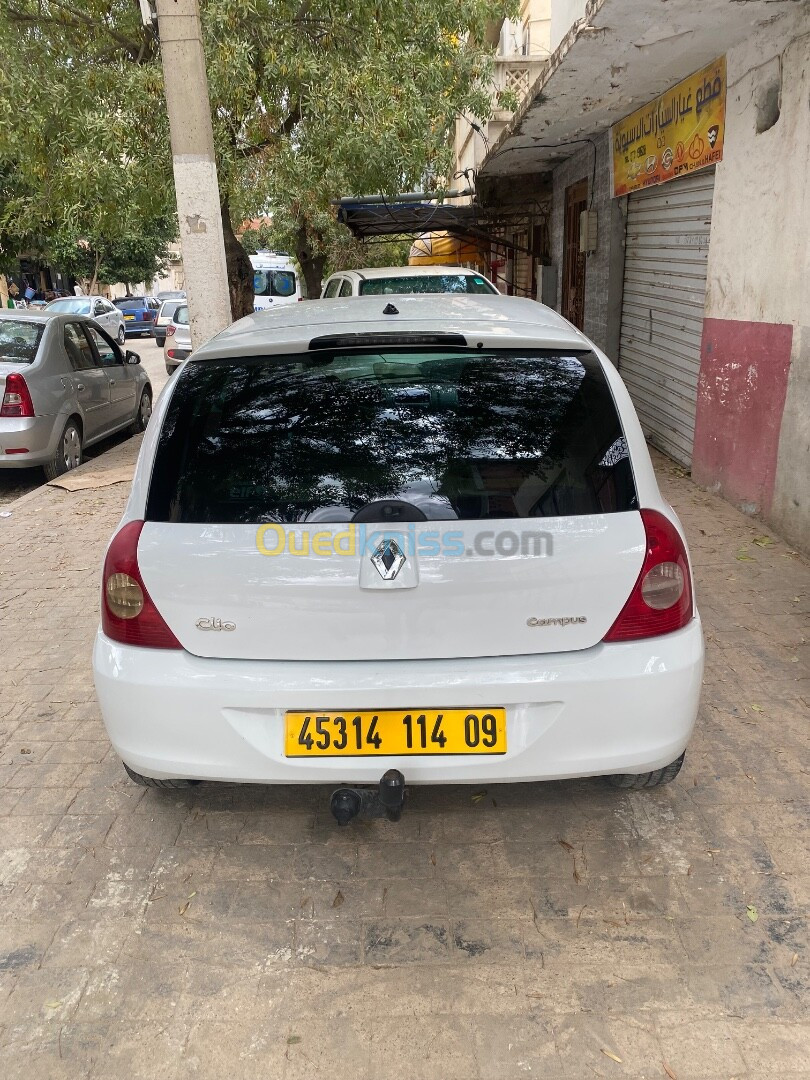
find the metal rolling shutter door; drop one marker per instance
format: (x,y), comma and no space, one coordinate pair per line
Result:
(667,247)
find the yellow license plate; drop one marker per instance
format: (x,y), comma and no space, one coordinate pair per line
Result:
(128,317)
(394,732)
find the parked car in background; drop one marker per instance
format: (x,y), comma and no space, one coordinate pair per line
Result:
(177,343)
(95,307)
(65,383)
(164,317)
(394,280)
(171,294)
(426,543)
(139,313)
(275,281)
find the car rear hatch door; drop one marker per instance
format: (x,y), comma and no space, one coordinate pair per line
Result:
(429,504)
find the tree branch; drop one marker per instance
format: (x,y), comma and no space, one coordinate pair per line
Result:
(293,117)
(79,20)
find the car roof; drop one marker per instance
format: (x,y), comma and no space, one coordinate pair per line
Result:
(370,273)
(493,320)
(27,315)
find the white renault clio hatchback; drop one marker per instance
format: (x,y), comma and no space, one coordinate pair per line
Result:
(421,539)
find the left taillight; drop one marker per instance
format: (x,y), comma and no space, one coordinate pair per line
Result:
(128,613)
(661,600)
(16,398)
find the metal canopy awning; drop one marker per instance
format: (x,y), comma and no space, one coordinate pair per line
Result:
(412,214)
(368,219)
(620,56)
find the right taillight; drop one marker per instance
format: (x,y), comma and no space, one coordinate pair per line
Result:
(170,329)
(661,600)
(17,397)
(128,613)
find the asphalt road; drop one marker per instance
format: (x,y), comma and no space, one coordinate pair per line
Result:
(17,482)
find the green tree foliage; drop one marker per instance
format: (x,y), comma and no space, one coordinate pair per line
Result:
(309,101)
(343,251)
(140,256)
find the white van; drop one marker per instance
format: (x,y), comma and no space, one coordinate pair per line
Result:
(274,280)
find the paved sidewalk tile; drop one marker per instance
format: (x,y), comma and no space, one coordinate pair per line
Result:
(543,930)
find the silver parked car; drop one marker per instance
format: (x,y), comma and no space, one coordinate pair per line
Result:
(107,315)
(64,384)
(177,343)
(164,317)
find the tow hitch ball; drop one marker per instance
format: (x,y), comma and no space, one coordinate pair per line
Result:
(386,801)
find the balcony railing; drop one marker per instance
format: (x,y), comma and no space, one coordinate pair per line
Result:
(517,73)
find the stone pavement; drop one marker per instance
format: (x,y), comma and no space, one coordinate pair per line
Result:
(552,930)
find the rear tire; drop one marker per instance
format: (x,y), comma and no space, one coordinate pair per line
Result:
(150,781)
(122,336)
(635,782)
(68,454)
(141,421)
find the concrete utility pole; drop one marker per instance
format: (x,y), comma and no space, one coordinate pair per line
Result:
(195,170)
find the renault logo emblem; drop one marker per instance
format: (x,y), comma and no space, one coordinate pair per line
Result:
(388,559)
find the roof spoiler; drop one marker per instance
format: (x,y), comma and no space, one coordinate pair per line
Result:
(369,341)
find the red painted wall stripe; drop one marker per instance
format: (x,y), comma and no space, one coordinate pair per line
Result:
(744,370)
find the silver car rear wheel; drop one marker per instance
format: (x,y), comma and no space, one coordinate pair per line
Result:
(68,454)
(141,421)
(122,337)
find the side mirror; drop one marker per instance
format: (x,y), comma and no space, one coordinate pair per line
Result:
(131,357)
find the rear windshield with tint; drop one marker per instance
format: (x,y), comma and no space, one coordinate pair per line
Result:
(19,341)
(461,435)
(273,283)
(131,305)
(168,308)
(427,283)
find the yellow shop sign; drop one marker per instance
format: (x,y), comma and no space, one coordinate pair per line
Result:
(677,133)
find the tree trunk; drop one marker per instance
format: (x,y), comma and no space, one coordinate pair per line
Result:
(311,264)
(240,269)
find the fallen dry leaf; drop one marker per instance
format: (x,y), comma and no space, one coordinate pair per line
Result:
(743,557)
(52,1004)
(183,908)
(755,708)
(763,541)
(433,858)
(478,796)
(304,902)
(612,1057)
(793,959)
(566,845)
(752,912)
(669,1071)
(293,1039)
(339,898)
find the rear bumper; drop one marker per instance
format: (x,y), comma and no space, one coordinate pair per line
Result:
(174,362)
(138,326)
(36,434)
(619,708)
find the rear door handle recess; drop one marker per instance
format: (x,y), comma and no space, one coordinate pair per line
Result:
(80,386)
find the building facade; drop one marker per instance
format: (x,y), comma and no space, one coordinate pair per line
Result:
(676,145)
